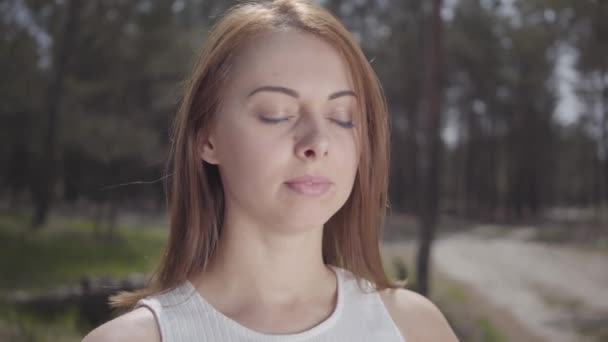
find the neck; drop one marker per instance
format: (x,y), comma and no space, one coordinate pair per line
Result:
(260,264)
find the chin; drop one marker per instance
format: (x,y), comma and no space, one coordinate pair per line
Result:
(304,219)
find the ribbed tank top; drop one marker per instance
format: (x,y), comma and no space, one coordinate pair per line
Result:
(183,315)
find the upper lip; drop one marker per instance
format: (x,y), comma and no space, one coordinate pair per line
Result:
(310,179)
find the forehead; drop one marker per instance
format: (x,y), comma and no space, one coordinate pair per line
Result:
(291,58)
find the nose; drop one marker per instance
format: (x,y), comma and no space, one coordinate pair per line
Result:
(313,144)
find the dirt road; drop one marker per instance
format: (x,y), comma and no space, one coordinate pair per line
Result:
(559,293)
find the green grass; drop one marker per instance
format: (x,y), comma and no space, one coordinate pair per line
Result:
(489,333)
(455,293)
(62,252)
(22,325)
(68,249)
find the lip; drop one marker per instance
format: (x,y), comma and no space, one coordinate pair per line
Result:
(310,185)
(307,179)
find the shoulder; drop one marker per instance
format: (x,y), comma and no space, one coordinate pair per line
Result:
(136,325)
(418,319)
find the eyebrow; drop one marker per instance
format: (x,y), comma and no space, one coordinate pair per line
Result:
(293,93)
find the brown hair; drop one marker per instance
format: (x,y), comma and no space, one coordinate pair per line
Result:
(195,196)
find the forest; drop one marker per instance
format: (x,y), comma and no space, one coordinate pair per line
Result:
(499,129)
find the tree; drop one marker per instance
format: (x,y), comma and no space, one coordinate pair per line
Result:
(592,64)
(45,180)
(429,143)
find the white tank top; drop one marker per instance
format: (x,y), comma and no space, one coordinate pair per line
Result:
(183,315)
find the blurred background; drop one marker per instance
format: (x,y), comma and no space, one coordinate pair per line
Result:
(499,173)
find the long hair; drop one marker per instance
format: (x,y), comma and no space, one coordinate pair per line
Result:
(195,197)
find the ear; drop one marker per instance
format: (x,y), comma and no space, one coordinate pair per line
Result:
(207,150)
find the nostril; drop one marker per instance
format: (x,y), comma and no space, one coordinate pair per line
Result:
(309,153)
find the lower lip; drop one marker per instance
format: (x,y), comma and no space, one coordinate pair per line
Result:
(310,189)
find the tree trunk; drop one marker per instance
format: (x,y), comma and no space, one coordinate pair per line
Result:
(604,138)
(429,145)
(44,184)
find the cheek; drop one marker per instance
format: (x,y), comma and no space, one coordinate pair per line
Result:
(348,158)
(246,156)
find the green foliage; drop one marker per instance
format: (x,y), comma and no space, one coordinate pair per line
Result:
(123,79)
(69,249)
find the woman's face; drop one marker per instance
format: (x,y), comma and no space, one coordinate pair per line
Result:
(288,112)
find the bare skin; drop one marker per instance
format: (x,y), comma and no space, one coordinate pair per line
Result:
(287,113)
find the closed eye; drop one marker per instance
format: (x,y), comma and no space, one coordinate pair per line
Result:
(345,124)
(267,120)
(273,120)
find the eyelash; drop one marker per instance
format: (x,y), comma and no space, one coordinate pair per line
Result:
(344,124)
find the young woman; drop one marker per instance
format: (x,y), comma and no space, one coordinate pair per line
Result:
(277,194)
